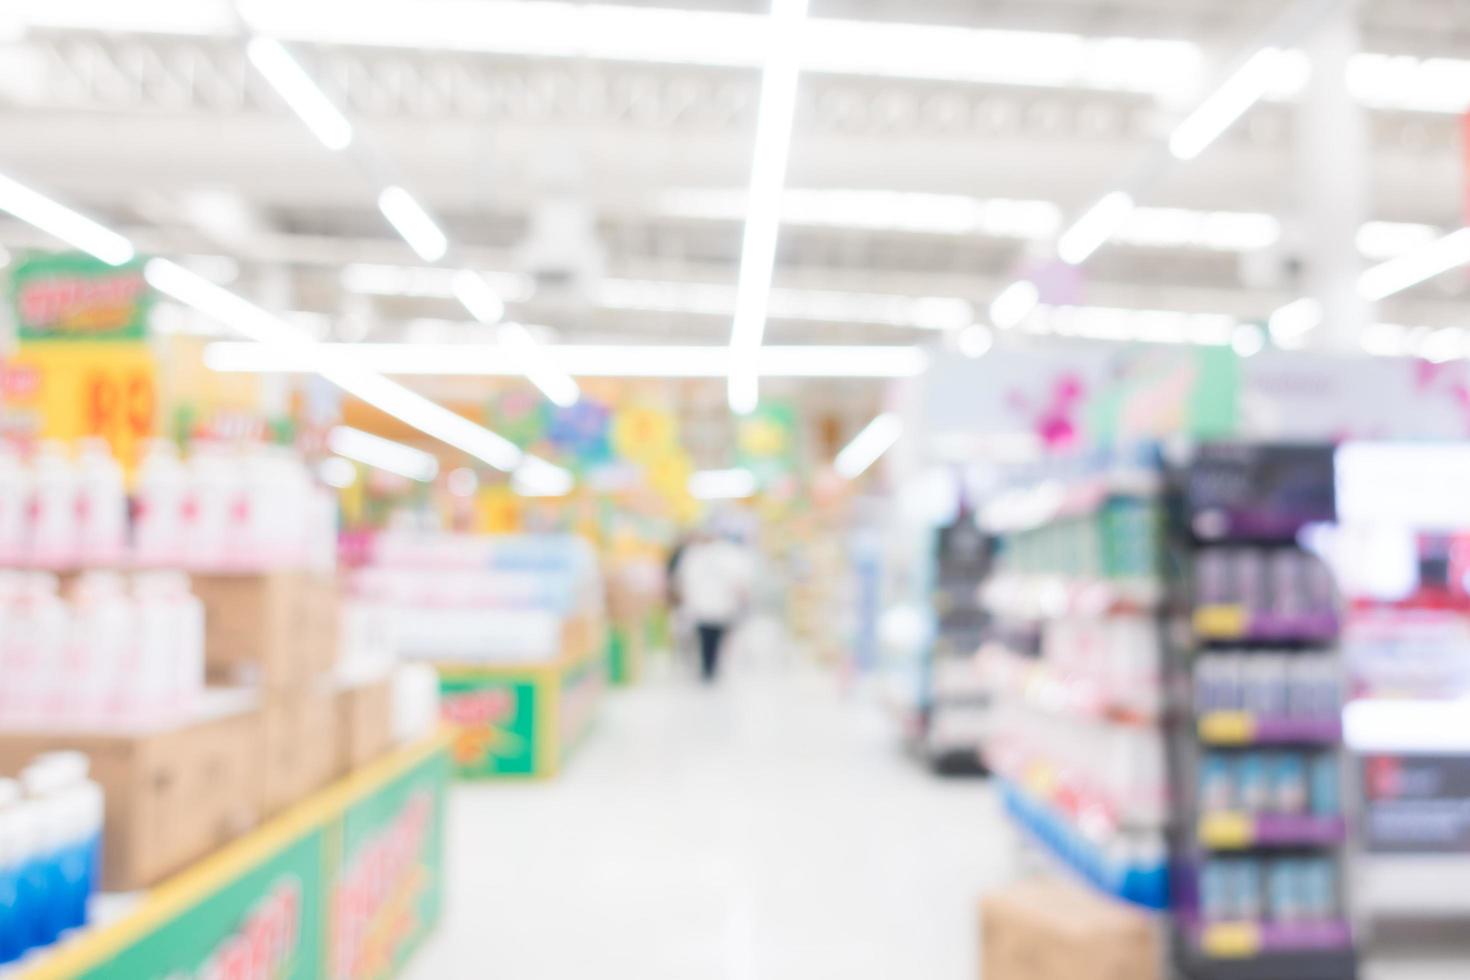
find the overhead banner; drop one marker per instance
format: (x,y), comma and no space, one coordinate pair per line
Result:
(74,297)
(84,366)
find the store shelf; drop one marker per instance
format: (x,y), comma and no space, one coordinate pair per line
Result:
(1245,831)
(1146,885)
(1236,623)
(1251,940)
(1226,729)
(1229,623)
(1035,596)
(1037,506)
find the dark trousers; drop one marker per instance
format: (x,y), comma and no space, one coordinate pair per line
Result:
(711,638)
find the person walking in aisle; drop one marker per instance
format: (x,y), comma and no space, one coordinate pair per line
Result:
(714,579)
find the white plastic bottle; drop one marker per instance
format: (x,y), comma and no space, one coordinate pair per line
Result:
(77,806)
(53,509)
(102,506)
(158,531)
(16,844)
(171,642)
(15,481)
(209,504)
(31,651)
(100,664)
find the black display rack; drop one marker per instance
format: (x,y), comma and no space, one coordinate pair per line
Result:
(1258,850)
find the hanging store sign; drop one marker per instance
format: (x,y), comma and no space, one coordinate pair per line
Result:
(74,297)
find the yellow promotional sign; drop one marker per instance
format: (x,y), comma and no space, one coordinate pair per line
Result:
(497,511)
(643,434)
(75,389)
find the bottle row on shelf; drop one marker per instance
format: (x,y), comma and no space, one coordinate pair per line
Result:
(1120,539)
(1288,783)
(1129,865)
(1100,773)
(113,651)
(1264,593)
(50,850)
(1279,890)
(224,509)
(1269,684)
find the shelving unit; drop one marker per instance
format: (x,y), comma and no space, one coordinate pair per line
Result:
(1073,661)
(956,713)
(1258,849)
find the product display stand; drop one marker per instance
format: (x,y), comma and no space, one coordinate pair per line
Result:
(348,882)
(1073,660)
(1256,761)
(522,720)
(955,713)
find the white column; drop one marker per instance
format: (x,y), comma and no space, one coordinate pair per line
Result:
(276,293)
(1333,183)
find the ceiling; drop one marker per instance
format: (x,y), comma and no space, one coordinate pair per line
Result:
(606,191)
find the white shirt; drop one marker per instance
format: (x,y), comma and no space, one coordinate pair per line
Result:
(714,581)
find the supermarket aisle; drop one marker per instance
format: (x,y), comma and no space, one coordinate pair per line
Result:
(768,830)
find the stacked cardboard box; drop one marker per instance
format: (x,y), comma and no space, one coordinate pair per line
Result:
(173,794)
(279,633)
(1049,929)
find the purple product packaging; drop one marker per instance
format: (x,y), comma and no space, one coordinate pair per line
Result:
(1252,587)
(1288,588)
(1212,575)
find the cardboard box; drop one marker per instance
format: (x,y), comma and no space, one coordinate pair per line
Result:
(301,747)
(365,721)
(172,796)
(1050,929)
(277,630)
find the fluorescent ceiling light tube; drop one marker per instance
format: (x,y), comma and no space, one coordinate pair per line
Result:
(301,93)
(1412,268)
(534,363)
(1229,102)
(64,223)
(868,445)
(337,472)
(1292,322)
(385,454)
(538,478)
(478,297)
(763,205)
(1014,304)
(411,221)
(1094,227)
(337,363)
(579,360)
(722,484)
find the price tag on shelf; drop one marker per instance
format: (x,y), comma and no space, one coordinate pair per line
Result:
(1226,831)
(1231,940)
(1221,622)
(1227,728)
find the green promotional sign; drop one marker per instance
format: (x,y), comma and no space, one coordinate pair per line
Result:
(386,894)
(766,441)
(347,886)
(272,915)
(494,719)
(70,296)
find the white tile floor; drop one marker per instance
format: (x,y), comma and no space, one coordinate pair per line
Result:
(769,829)
(765,830)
